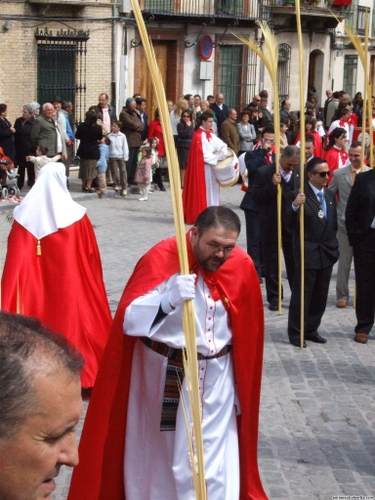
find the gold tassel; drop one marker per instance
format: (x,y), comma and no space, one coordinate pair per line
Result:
(38,249)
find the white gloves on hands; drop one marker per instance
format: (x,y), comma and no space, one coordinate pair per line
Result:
(183,289)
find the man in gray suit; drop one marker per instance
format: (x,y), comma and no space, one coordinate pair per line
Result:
(341,185)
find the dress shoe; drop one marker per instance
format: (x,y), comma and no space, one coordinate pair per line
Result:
(361,338)
(341,304)
(316,338)
(297,342)
(273,307)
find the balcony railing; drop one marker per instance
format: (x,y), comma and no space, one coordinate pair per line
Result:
(311,4)
(238,9)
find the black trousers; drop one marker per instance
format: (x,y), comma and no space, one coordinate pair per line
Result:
(270,263)
(316,293)
(253,245)
(364,265)
(22,167)
(131,164)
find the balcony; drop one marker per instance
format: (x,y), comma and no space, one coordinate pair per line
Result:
(316,15)
(220,12)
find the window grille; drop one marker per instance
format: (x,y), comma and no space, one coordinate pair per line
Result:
(350,74)
(283,71)
(62,67)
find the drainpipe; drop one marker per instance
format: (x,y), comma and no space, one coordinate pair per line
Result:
(113,56)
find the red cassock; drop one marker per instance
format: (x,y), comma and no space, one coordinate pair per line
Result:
(194,197)
(100,474)
(63,287)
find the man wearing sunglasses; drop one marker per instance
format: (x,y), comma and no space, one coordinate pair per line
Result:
(321,251)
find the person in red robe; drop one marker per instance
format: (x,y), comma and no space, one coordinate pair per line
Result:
(334,153)
(53,270)
(100,473)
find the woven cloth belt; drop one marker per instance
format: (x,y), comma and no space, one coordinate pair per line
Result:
(174,378)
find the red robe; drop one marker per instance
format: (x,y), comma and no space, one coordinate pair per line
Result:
(63,287)
(194,194)
(331,156)
(318,149)
(99,475)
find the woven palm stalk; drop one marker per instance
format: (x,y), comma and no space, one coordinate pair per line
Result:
(270,61)
(362,50)
(302,169)
(195,438)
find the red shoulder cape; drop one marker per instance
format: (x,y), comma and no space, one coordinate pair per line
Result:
(99,475)
(194,197)
(63,287)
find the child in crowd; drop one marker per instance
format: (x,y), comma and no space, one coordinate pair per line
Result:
(6,168)
(118,155)
(102,165)
(155,162)
(41,158)
(143,173)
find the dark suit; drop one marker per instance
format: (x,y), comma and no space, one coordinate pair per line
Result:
(321,253)
(221,114)
(360,213)
(265,194)
(253,161)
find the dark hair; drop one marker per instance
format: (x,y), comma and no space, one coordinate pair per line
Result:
(148,151)
(335,134)
(246,112)
(151,140)
(356,144)
(263,93)
(197,95)
(94,109)
(284,121)
(290,152)
(310,138)
(28,350)
(218,216)
(336,95)
(65,104)
(90,118)
(43,149)
(312,164)
(3,107)
(205,116)
(343,111)
(268,129)
(187,96)
(139,100)
(118,123)
(188,112)
(311,120)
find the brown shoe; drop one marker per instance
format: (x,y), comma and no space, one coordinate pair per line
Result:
(361,338)
(341,304)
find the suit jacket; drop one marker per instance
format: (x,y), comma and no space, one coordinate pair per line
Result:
(253,161)
(265,193)
(321,244)
(360,210)
(341,185)
(44,133)
(221,114)
(230,135)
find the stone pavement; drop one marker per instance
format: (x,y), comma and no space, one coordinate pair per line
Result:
(317,420)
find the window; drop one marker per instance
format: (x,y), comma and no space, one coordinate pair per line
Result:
(229,7)
(350,74)
(62,67)
(283,71)
(237,75)
(358,19)
(373,22)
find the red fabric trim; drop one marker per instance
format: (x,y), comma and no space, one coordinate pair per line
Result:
(63,287)
(194,194)
(99,475)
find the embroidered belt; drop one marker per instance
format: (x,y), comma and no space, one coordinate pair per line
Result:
(174,378)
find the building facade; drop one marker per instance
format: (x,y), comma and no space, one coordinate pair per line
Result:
(78,49)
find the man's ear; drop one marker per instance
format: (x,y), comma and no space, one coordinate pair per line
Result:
(194,233)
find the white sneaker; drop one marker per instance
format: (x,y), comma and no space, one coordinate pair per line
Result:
(142,199)
(116,188)
(124,192)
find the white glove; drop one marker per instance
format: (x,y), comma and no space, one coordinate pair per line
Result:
(222,156)
(183,289)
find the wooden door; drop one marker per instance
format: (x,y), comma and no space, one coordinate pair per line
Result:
(146,88)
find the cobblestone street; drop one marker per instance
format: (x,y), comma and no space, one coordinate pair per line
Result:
(317,420)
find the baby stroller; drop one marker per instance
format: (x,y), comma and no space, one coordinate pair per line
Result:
(11,188)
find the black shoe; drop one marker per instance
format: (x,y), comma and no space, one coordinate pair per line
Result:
(273,307)
(297,342)
(162,188)
(316,338)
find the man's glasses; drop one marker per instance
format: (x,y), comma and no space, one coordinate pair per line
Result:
(322,174)
(268,140)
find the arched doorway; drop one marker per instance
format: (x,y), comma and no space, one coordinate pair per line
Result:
(316,72)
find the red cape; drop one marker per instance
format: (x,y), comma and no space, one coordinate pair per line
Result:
(194,197)
(63,287)
(318,149)
(331,156)
(99,475)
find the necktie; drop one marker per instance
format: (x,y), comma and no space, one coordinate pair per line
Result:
(322,202)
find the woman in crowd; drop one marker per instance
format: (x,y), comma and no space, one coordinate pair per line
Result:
(246,131)
(175,116)
(310,128)
(6,133)
(334,153)
(22,139)
(185,131)
(89,133)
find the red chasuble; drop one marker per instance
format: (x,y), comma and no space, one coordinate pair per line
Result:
(194,197)
(63,287)
(100,475)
